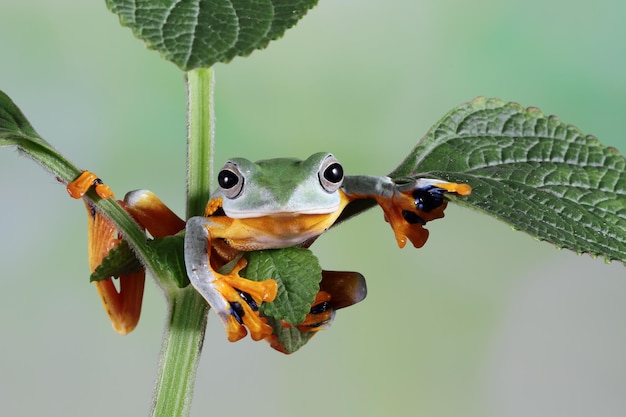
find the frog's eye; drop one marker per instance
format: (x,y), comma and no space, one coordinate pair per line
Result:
(230,180)
(331,174)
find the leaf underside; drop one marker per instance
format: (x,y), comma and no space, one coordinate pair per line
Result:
(199,33)
(531,171)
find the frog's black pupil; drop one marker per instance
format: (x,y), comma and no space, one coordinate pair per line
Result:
(227,179)
(334,173)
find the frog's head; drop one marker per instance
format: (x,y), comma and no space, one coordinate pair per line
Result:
(280,187)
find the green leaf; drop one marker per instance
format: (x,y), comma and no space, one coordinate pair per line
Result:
(169,254)
(15,130)
(298,274)
(199,33)
(120,260)
(291,338)
(531,171)
(166,252)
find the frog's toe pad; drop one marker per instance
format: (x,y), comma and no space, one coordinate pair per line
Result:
(234,330)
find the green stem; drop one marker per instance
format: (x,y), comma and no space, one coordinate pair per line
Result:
(180,353)
(184,334)
(200,83)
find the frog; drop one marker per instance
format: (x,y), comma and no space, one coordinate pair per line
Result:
(273,204)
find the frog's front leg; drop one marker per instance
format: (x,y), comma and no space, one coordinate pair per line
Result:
(407,206)
(236,300)
(414,204)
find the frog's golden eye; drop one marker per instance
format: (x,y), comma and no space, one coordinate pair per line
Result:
(230,180)
(331,174)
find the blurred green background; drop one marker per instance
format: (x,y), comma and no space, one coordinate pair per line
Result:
(482,321)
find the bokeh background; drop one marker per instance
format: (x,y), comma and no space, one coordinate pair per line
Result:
(483,321)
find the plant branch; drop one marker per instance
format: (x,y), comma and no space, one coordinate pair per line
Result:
(184,334)
(16,130)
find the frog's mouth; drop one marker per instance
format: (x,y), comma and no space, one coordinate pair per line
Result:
(284,212)
(277,230)
(289,209)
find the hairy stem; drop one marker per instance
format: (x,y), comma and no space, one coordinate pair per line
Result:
(200,121)
(180,354)
(184,334)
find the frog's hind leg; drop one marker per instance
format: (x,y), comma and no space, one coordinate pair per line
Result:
(338,289)
(150,212)
(123,305)
(236,300)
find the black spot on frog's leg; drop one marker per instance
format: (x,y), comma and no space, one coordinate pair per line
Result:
(428,198)
(314,326)
(248,299)
(320,308)
(412,218)
(92,209)
(237,311)
(322,312)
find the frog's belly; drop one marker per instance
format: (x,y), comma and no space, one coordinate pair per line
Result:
(272,232)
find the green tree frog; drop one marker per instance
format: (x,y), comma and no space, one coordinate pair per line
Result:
(269,204)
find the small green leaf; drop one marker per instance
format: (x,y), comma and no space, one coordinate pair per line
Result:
(169,254)
(120,260)
(298,274)
(291,338)
(166,252)
(532,171)
(199,33)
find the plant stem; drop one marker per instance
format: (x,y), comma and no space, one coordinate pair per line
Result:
(200,83)
(180,353)
(184,333)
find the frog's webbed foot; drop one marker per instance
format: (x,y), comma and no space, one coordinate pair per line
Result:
(414,204)
(244,297)
(123,305)
(236,300)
